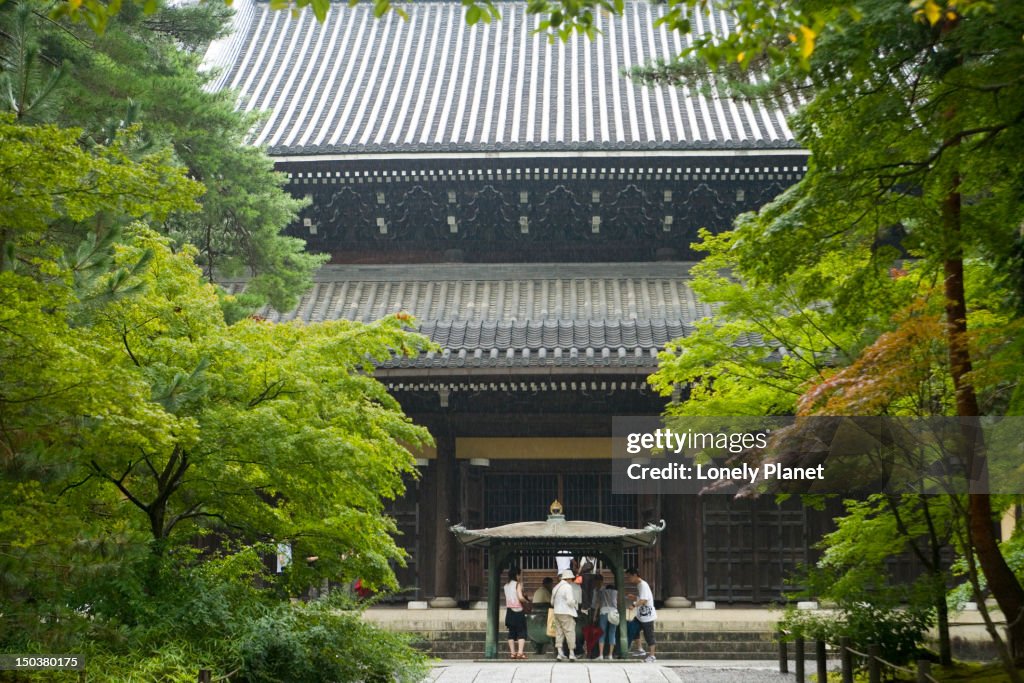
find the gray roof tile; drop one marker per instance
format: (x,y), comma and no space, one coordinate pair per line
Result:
(355,84)
(644,306)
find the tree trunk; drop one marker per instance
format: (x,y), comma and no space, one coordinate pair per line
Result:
(938,572)
(157,513)
(972,575)
(942,620)
(1005,587)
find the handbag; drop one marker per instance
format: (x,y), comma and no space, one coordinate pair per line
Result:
(613,618)
(551,622)
(527,607)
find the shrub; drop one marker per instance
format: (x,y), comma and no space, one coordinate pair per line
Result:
(897,632)
(324,643)
(212,613)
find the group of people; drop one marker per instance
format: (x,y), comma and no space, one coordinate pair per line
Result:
(581,593)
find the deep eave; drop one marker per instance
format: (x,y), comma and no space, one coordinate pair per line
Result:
(536,319)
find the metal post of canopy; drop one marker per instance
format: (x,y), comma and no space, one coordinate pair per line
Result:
(620,582)
(498,555)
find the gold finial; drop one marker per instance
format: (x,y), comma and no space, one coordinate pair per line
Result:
(556,508)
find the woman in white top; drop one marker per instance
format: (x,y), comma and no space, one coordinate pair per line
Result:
(515,618)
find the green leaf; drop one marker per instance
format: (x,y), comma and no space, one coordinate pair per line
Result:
(320,9)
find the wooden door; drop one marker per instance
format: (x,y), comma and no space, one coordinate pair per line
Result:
(751,548)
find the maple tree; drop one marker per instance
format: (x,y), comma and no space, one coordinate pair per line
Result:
(914,122)
(135,420)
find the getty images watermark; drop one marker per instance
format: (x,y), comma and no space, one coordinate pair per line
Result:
(843,455)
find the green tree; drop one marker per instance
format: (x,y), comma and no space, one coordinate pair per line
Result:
(854,564)
(764,345)
(54,380)
(134,420)
(911,122)
(265,431)
(278,431)
(143,71)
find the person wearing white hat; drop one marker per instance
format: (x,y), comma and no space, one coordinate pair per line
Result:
(564,602)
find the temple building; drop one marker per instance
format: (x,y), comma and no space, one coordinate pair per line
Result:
(533,208)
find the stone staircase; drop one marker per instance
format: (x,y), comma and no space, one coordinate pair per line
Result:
(713,644)
(675,645)
(682,633)
(717,644)
(724,633)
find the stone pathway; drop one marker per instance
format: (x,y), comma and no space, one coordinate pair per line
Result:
(545,671)
(552,672)
(718,674)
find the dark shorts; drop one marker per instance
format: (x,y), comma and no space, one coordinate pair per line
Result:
(516,623)
(648,629)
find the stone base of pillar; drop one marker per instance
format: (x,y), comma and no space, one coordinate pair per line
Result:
(678,601)
(442,602)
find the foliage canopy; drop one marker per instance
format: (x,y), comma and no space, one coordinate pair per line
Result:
(136,423)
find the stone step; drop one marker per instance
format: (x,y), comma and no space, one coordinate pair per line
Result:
(665,655)
(672,644)
(663,636)
(716,636)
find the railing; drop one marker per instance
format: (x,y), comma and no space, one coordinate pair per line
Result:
(872,657)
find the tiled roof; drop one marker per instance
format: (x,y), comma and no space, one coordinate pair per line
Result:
(356,84)
(516,316)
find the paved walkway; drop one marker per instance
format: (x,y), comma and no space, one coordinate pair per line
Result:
(731,672)
(546,671)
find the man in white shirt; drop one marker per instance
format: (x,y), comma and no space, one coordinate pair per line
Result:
(643,601)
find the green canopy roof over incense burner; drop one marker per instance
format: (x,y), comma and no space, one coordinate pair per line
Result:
(557,535)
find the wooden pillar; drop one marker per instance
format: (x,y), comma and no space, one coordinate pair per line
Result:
(446,511)
(620,586)
(846,659)
(675,550)
(874,666)
(427,532)
(693,523)
(498,556)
